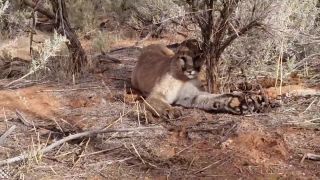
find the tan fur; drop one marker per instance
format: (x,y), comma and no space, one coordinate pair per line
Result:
(158,75)
(158,48)
(156,61)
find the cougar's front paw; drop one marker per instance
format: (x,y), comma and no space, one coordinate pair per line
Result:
(172,113)
(158,108)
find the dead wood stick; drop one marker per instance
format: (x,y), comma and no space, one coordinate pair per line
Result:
(49,148)
(314,157)
(6,134)
(105,55)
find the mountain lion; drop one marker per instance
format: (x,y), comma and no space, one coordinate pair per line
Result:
(167,78)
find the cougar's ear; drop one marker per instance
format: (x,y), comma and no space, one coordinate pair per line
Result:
(193,45)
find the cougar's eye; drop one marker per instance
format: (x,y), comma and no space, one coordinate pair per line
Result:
(184,59)
(183,62)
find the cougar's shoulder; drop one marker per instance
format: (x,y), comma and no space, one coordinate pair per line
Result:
(153,63)
(160,49)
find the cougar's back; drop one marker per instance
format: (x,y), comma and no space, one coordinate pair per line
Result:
(153,63)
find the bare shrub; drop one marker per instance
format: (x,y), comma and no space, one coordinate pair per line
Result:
(234,48)
(220,26)
(286,44)
(12,20)
(50,48)
(149,15)
(82,14)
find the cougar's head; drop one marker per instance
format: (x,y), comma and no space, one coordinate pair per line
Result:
(189,59)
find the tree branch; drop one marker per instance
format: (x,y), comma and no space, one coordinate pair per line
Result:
(242,31)
(221,28)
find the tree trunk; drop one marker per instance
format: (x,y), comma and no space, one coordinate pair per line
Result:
(79,58)
(212,73)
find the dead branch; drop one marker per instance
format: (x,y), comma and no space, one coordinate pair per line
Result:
(6,134)
(49,148)
(314,157)
(40,9)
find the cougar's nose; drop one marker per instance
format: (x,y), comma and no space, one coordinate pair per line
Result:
(192,72)
(189,71)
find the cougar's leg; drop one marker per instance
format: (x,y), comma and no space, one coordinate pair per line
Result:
(234,103)
(160,108)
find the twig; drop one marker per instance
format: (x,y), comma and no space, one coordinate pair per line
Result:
(207,167)
(184,149)
(125,48)
(6,134)
(314,100)
(76,89)
(24,156)
(108,162)
(98,152)
(5,117)
(310,156)
(192,161)
(152,108)
(136,151)
(23,119)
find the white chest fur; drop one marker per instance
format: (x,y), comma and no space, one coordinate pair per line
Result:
(169,87)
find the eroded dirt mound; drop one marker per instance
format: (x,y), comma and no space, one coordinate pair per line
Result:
(260,148)
(30,101)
